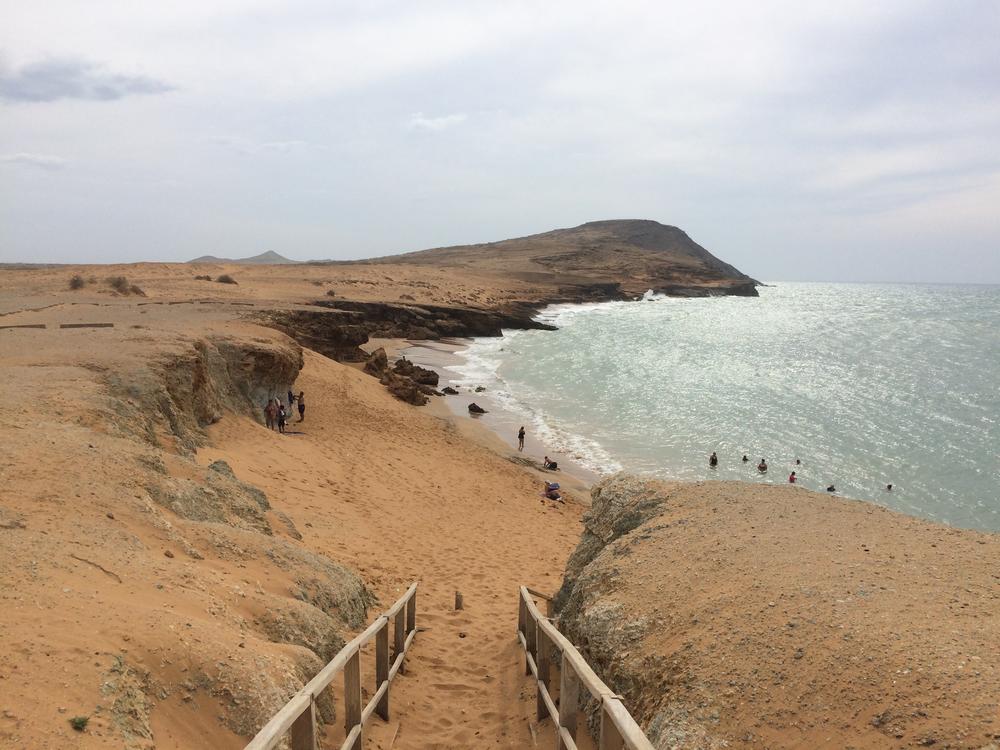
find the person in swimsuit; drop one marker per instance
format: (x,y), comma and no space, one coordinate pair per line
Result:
(520,439)
(745,459)
(713,460)
(302,405)
(270,414)
(281,417)
(762,466)
(791,478)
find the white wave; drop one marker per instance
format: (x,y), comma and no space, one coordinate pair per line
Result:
(480,366)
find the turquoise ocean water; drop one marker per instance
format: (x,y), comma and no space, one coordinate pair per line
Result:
(865,384)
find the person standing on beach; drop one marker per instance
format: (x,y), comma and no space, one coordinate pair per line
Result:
(791,478)
(302,405)
(291,400)
(270,414)
(713,460)
(282,416)
(520,439)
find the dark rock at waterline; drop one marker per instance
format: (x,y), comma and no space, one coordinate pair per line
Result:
(480,388)
(449,391)
(475,408)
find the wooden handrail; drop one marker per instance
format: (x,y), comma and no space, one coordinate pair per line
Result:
(538,637)
(299,714)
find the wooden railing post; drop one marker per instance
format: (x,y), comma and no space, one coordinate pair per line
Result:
(530,634)
(543,650)
(304,729)
(569,700)
(382,668)
(611,739)
(522,612)
(352,697)
(411,613)
(399,637)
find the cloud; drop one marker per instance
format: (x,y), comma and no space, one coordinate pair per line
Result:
(251,147)
(42,161)
(51,80)
(417,121)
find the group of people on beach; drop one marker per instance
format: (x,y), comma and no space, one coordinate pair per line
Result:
(713,462)
(276,416)
(550,490)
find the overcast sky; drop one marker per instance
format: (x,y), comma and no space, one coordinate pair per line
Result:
(848,140)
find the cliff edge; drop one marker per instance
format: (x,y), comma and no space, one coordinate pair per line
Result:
(752,616)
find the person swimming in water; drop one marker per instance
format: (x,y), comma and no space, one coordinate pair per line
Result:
(762,466)
(888,488)
(713,460)
(791,478)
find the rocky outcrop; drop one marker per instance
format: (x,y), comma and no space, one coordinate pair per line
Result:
(404,388)
(389,320)
(377,363)
(419,375)
(182,392)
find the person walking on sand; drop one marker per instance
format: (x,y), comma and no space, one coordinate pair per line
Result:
(791,478)
(282,416)
(520,439)
(302,406)
(270,414)
(762,466)
(713,460)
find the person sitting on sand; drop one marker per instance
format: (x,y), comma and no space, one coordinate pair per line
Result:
(552,491)
(713,460)
(302,405)
(745,459)
(270,414)
(282,416)
(791,478)
(547,464)
(520,439)
(762,466)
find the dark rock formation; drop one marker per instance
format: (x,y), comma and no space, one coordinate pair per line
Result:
(449,391)
(404,388)
(475,408)
(377,363)
(417,374)
(390,320)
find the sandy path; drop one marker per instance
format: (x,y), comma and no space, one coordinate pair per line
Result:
(400,495)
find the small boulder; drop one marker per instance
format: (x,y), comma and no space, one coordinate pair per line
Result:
(449,391)
(377,363)
(475,408)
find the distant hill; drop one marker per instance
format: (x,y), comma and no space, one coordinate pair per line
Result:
(639,253)
(268,258)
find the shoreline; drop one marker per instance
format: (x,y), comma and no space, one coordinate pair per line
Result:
(498,428)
